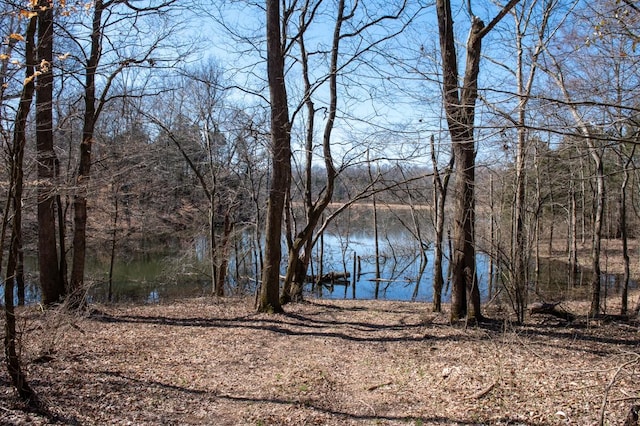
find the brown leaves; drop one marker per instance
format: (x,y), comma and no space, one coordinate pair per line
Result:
(326,362)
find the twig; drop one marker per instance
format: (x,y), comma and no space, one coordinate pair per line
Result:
(374,387)
(610,385)
(370,407)
(628,398)
(483,392)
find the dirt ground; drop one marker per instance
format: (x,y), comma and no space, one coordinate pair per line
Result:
(324,362)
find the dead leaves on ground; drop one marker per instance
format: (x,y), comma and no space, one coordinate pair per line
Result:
(325,362)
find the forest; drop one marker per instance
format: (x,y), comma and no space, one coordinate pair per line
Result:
(238,136)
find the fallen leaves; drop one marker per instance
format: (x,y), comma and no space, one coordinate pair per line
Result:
(326,362)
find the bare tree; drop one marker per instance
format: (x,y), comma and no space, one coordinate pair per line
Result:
(281,160)
(95,98)
(52,263)
(352,40)
(14,206)
(459,104)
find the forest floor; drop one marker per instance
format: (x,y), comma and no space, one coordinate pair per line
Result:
(325,362)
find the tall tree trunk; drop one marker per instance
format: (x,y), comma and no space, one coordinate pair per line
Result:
(281,162)
(112,256)
(14,202)
(376,242)
(84,166)
(538,218)
(596,154)
(459,105)
(572,241)
(51,281)
(296,271)
(493,255)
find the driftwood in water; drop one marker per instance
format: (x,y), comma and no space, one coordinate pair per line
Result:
(551,309)
(331,277)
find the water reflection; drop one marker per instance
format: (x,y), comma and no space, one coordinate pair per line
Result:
(154,279)
(400,269)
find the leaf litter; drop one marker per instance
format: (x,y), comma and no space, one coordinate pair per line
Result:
(326,362)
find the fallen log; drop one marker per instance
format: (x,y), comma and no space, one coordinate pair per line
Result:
(331,277)
(551,309)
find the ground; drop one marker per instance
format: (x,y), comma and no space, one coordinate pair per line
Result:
(325,362)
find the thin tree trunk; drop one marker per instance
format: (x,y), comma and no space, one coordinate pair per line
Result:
(623,233)
(537,218)
(573,235)
(84,165)
(440,185)
(597,230)
(376,242)
(596,154)
(224,255)
(492,237)
(299,263)
(112,257)
(14,201)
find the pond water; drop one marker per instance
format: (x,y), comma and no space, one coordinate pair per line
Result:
(400,263)
(173,276)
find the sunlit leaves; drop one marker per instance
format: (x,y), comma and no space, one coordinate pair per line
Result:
(27,14)
(16,36)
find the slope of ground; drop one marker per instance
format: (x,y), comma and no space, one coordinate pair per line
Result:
(208,362)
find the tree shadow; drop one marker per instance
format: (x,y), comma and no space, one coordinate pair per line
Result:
(340,415)
(312,325)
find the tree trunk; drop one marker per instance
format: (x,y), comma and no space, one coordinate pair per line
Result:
(460,109)
(573,234)
(459,105)
(84,165)
(224,255)
(53,286)
(14,200)
(440,185)
(624,305)
(281,162)
(596,154)
(299,263)
(597,231)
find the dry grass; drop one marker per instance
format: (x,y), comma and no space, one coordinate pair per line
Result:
(206,362)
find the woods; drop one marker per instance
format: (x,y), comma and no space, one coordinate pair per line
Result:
(238,138)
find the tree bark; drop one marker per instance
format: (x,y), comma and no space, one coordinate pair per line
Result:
(281,162)
(84,165)
(624,305)
(459,105)
(14,201)
(597,229)
(440,185)
(596,154)
(460,110)
(51,281)
(221,277)
(299,262)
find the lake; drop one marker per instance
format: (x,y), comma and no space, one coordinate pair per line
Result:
(187,274)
